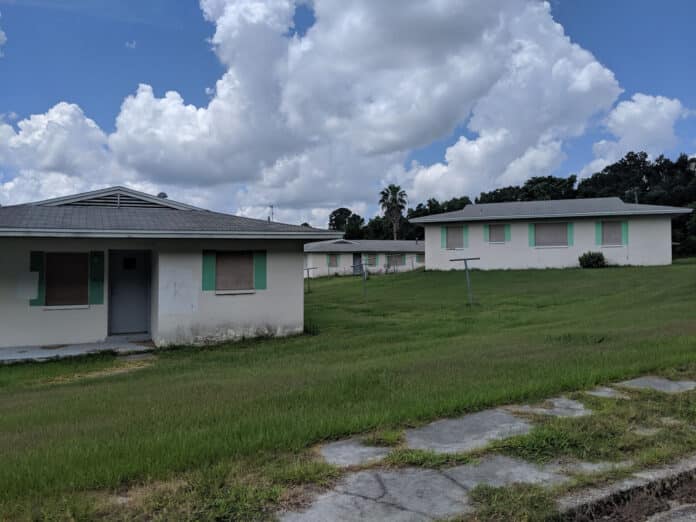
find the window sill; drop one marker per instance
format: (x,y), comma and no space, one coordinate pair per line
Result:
(234,292)
(550,247)
(66,307)
(496,242)
(613,246)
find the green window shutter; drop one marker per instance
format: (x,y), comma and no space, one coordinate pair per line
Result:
(598,233)
(36,264)
(443,237)
(508,235)
(328,260)
(571,238)
(486,234)
(465,239)
(403,259)
(209,261)
(376,259)
(624,232)
(532,240)
(260,279)
(96,278)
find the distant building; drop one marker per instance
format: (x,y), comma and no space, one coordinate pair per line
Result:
(550,234)
(348,256)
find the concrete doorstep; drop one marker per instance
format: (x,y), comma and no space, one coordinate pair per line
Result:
(422,494)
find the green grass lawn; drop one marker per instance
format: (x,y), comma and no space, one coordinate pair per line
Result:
(412,351)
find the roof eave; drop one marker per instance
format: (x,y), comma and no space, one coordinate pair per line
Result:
(425,220)
(147,234)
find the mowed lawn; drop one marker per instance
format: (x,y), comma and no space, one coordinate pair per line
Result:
(409,352)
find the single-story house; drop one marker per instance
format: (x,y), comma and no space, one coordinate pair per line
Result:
(82,268)
(546,234)
(348,256)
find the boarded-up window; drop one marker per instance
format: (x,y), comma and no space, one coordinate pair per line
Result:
(551,234)
(67,279)
(496,233)
(234,271)
(611,233)
(455,237)
(396,259)
(333,260)
(420,258)
(371,259)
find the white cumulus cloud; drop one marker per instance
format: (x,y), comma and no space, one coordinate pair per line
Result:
(643,123)
(315,122)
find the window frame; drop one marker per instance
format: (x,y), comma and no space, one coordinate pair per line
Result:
(328,260)
(567,227)
(48,276)
(449,228)
(220,254)
(619,225)
(371,259)
(501,226)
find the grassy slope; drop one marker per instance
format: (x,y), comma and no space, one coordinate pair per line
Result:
(411,352)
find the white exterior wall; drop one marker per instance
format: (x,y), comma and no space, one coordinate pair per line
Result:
(187,314)
(649,243)
(180,311)
(345,264)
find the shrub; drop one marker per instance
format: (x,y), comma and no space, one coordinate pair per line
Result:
(592,260)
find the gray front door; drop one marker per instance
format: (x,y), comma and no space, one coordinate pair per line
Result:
(357,266)
(129,292)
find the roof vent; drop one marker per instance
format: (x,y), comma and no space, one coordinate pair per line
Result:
(162,195)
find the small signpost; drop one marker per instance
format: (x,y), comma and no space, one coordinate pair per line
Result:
(363,273)
(307,269)
(468,279)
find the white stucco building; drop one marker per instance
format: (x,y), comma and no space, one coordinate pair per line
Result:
(348,256)
(549,234)
(84,268)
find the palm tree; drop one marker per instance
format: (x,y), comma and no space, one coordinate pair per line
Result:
(393,201)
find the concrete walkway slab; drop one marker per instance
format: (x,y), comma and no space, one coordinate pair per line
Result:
(556,407)
(466,433)
(659,384)
(351,452)
(604,392)
(500,471)
(117,344)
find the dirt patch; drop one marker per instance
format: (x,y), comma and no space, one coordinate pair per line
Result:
(639,503)
(121,368)
(54,346)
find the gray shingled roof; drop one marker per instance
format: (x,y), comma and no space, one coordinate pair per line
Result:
(364,245)
(559,208)
(69,220)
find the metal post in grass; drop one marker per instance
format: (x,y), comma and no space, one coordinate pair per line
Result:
(466,260)
(307,269)
(363,273)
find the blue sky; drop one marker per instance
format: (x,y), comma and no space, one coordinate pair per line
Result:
(95,53)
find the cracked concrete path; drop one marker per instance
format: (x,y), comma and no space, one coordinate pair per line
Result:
(467,433)
(421,494)
(659,384)
(416,494)
(556,407)
(351,452)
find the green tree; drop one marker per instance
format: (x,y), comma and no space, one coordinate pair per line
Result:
(354,227)
(338,218)
(393,202)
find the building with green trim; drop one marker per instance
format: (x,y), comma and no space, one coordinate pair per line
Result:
(352,256)
(118,262)
(549,234)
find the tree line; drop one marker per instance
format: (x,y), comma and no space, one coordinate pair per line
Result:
(635,179)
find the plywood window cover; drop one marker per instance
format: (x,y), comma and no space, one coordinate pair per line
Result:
(67,279)
(234,271)
(496,233)
(612,233)
(455,237)
(333,260)
(551,234)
